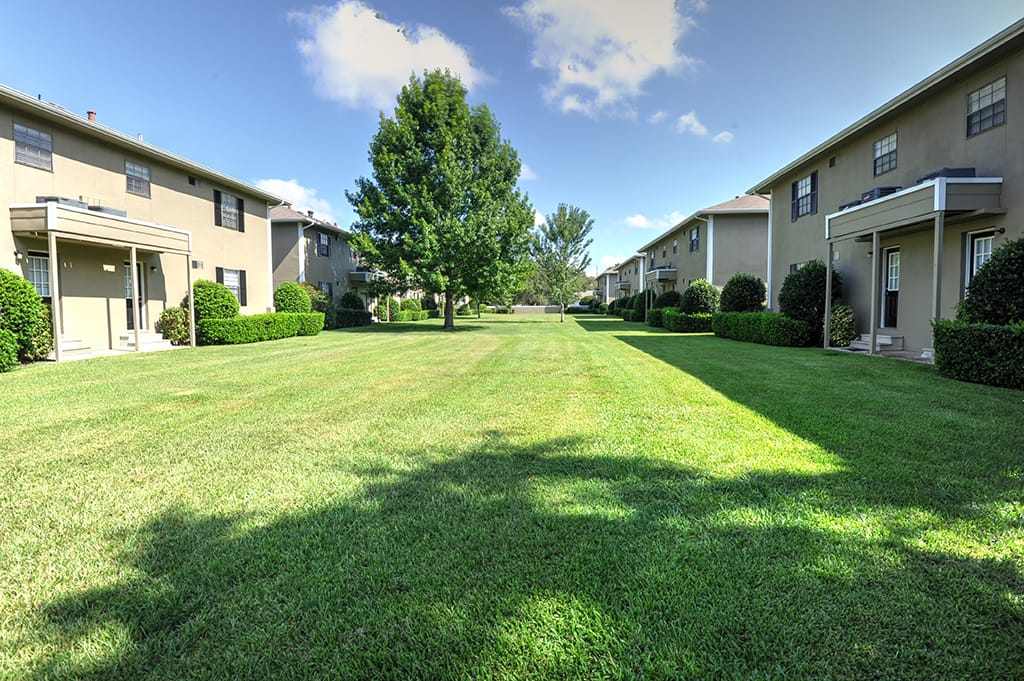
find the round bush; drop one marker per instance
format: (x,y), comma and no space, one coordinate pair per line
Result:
(173,324)
(21,310)
(429,302)
(842,327)
(8,350)
(411,304)
(352,301)
(700,297)
(387,309)
(743,293)
(318,299)
(996,293)
(668,299)
(802,296)
(213,301)
(290,297)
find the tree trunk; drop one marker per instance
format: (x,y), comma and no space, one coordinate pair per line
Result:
(478,309)
(561,311)
(449,310)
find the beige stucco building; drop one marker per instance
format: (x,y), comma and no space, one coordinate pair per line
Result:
(629,273)
(92,215)
(605,291)
(910,200)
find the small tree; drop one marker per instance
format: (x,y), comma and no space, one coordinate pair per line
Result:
(743,293)
(700,297)
(352,301)
(996,293)
(560,253)
(802,296)
(21,310)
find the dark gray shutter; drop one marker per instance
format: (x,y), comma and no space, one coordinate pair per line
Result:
(814,192)
(241,216)
(220,275)
(796,200)
(241,287)
(217,220)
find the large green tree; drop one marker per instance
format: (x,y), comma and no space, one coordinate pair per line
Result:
(560,254)
(442,209)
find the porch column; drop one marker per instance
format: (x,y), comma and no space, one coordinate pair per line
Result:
(828,297)
(940,226)
(191,303)
(136,319)
(55,311)
(875,276)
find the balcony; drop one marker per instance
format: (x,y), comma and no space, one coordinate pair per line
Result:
(361,276)
(661,274)
(623,286)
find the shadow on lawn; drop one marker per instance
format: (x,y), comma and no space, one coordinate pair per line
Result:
(392,328)
(513,563)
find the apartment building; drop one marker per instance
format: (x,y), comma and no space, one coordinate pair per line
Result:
(309,249)
(909,201)
(605,291)
(111,230)
(630,276)
(712,244)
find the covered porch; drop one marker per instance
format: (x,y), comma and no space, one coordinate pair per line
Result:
(932,205)
(68,232)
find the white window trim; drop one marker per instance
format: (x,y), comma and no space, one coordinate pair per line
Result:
(969,252)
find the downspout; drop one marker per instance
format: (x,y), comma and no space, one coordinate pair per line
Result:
(270,255)
(768,272)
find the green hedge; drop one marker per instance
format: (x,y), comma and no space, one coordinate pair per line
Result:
(681,322)
(980,353)
(769,328)
(741,326)
(412,315)
(258,327)
(8,350)
(348,317)
(654,317)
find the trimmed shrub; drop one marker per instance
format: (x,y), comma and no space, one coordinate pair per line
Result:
(843,328)
(410,304)
(802,296)
(173,324)
(258,327)
(996,293)
(434,314)
(21,310)
(980,353)
(700,296)
(743,293)
(588,301)
(290,297)
(411,315)
(602,308)
(638,303)
(213,301)
(310,323)
(42,341)
(347,318)
(504,310)
(627,315)
(429,303)
(681,322)
(8,350)
(654,317)
(668,299)
(351,301)
(463,310)
(778,329)
(322,302)
(387,309)
(741,326)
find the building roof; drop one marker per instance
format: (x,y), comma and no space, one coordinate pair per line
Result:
(1004,42)
(750,204)
(58,114)
(285,213)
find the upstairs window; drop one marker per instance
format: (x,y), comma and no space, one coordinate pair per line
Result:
(327,287)
(675,245)
(137,177)
(805,196)
(694,239)
(986,107)
(228,211)
(885,154)
(33,147)
(323,244)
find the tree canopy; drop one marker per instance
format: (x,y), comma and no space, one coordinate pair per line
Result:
(443,210)
(560,253)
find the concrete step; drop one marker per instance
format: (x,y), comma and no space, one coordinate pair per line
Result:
(883,341)
(71,347)
(147,342)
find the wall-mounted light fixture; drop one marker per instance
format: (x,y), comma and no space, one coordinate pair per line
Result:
(1001,230)
(17,254)
(152,268)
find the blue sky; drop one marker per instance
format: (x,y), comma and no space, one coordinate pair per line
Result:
(640,112)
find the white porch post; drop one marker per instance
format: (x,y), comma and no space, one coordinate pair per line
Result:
(136,319)
(828,297)
(875,276)
(55,311)
(191,303)
(940,225)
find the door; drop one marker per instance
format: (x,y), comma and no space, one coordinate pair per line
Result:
(891,295)
(130,314)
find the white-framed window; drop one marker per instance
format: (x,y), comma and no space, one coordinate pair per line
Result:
(675,245)
(694,239)
(892,282)
(979,251)
(323,244)
(805,196)
(33,147)
(986,107)
(228,211)
(233,281)
(885,154)
(38,265)
(137,178)
(326,286)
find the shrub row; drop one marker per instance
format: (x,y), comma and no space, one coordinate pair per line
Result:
(654,317)
(980,353)
(683,322)
(769,328)
(258,327)
(345,318)
(412,315)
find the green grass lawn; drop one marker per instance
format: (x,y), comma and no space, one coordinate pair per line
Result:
(520,499)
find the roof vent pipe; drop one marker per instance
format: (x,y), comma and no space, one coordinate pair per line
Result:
(91,114)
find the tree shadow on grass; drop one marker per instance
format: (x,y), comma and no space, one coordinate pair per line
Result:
(599,324)
(391,328)
(506,562)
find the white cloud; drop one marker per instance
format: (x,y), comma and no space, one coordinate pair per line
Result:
(526,173)
(360,59)
(723,137)
(599,53)
(689,123)
(657,117)
(538,218)
(610,261)
(641,221)
(302,198)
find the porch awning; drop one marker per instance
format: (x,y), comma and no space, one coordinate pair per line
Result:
(79,224)
(954,197)
(663,274)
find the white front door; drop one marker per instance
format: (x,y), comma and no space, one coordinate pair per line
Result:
(130,314)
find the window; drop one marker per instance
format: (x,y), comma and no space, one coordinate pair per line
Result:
(805,196)
(986,107)
(694,239)
(228,211)
(137,177)
(39,272)
(652,261)
(980,252)
(326,286)
(675,245)
(234,280)
(33,147)
(664,252)
(885,154)
(323,244)
(795,266)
